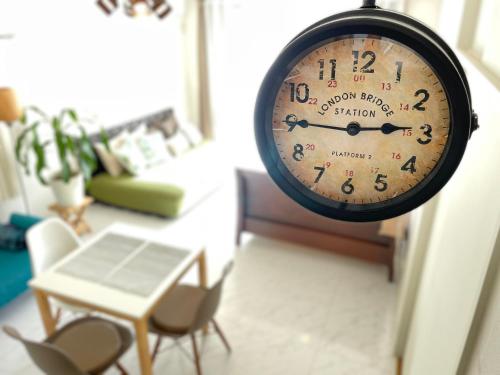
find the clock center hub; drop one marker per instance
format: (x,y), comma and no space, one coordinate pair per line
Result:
(353,128)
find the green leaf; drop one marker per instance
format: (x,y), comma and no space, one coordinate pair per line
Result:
(66,171)
(62,149)
(40,157)
(70,143)
(72,114)
(39,112)
(24,118)
(22,148)
(105,139)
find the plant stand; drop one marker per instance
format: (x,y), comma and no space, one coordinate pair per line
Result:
(74,215)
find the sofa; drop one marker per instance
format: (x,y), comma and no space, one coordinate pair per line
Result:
(15,266)
(168,189)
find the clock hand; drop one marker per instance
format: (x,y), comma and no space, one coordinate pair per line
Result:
(353,128)
(388,128)
(292,122)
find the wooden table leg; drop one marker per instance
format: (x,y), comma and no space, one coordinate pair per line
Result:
(202,269)
(202,277)
(141,337)
(49,322)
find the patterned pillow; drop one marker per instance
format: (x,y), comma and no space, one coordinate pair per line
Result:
(129,155)
(12,238)
(153,148)
(108,160)
(168,127)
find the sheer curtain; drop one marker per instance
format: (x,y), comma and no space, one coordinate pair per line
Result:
(243,39)
(8,178)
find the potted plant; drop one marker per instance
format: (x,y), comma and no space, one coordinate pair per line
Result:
(74,151)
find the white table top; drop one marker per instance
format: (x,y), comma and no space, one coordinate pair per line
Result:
(106,282)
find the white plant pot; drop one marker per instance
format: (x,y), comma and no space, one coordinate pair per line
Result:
(71,193)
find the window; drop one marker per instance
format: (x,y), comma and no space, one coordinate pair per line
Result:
(480,34)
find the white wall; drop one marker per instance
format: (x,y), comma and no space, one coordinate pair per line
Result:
(69,53)
(465,228)
(420,231)
(481,354)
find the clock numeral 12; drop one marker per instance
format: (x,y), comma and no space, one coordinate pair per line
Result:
(365,68)
(299,92)
(333,63)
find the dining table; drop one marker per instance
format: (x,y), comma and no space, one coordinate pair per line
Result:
(123,272)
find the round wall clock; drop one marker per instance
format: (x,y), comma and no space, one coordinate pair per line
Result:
(364,115)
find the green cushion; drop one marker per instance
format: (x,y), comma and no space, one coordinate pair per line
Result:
(129,192)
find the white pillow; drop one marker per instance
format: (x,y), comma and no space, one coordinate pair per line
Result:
(108,160)
(128,154)
(192,133)
(178,143)
(153,148)
(139,131)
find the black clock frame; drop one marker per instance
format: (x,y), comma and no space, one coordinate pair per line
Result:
(378,23)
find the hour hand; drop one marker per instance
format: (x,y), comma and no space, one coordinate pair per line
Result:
(388,128)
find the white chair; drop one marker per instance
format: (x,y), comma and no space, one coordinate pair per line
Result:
(48,242)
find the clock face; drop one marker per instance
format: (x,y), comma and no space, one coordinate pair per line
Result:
(361,120)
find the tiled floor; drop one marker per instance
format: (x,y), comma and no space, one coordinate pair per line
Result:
(286,310)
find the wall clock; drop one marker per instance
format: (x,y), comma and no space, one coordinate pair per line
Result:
(364,115)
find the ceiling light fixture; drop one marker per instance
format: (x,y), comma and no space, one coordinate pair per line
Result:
(134,8)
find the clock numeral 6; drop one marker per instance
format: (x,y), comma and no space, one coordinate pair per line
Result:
(380,184)
(299,92)
(410,165)
(347,187)
(427,132)
(298,152)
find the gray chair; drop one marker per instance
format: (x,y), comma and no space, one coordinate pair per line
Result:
(86,346)
(185,310)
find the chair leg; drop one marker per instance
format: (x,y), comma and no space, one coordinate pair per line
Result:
(121,369)
(221,335)
(156,348)
(58,315)
(196,354)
